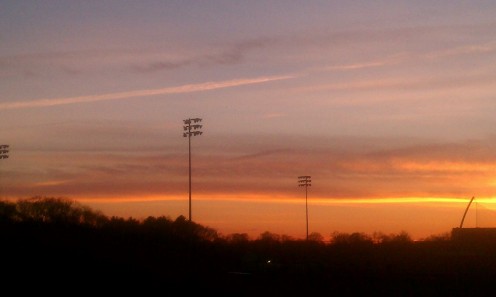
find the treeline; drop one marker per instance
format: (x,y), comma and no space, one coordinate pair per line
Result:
(54,244)
(61,211)
(48,211)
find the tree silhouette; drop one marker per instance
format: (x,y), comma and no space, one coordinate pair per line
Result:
(238,238)
(8,212)
(402,237)
(158,252)
(185,228)
(58,210)
(269,237)
(315,236)
(356,238)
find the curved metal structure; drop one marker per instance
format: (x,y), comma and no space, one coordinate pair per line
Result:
(466,209)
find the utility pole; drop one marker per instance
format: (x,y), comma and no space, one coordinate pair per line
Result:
(191,129)
(305,181)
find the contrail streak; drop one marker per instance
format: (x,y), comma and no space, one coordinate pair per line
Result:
(141,93)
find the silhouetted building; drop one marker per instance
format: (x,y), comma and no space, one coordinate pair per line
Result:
(474,235)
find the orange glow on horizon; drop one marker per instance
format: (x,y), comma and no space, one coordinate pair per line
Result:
(286,200)
(255,214)
(446,166)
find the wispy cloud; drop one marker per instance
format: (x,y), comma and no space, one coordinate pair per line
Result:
(227,55)
(262,154)
(142,93)
(447,82)
(340,168)
(471,49)
(356,66)
(139,61)
(273,115)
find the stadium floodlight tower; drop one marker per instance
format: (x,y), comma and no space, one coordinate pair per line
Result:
(4,151)
(305,181)
(191,128)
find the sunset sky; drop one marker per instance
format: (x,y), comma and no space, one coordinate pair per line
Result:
(390,106)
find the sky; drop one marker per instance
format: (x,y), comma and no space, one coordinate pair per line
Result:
(388,105)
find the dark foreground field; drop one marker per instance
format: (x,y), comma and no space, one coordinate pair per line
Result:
(163,257)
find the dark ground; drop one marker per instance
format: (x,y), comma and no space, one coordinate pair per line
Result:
(68,260)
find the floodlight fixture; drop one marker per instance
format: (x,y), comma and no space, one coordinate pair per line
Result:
(4,151)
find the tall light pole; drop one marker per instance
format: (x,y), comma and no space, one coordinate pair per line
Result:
(191,128)
(4,153)
(305,181)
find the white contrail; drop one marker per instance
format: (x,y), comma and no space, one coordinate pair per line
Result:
(141,93)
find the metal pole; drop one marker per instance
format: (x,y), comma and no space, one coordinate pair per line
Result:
(305,181)
(188,127)
(4,154)
(306,207)
(189,148)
